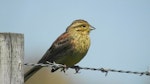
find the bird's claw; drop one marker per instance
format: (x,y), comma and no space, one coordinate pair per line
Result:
(64,68)
(77,68)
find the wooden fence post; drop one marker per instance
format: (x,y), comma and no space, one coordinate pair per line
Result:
(11,58)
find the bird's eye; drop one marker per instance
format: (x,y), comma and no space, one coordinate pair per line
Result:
(83,26)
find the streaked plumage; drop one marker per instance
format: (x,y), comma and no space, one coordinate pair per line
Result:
(69,48)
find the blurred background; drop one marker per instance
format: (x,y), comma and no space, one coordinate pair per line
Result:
(121,39)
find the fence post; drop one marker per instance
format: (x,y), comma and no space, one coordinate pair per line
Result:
(11,58)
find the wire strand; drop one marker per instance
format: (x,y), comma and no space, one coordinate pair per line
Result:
(77,68)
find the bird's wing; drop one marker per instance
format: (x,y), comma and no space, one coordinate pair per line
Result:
(61,46)
(58,49)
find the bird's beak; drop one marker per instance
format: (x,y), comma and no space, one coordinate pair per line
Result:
(92,28)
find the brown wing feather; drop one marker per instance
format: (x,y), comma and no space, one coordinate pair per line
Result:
(58,49)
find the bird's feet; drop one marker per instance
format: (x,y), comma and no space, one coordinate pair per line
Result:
(77,68)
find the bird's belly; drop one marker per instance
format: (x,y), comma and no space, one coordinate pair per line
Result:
(70,60)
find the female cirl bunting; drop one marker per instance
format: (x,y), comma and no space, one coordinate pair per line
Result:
(69,48)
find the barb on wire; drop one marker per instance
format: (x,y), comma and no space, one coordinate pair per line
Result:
(77,68)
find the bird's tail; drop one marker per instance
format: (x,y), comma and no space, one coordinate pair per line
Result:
(28,74)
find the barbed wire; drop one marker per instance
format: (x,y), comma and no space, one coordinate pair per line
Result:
(77,68)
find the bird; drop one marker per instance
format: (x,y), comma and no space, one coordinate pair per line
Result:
(69,48)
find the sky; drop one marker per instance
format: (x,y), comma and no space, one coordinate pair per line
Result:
(121,40)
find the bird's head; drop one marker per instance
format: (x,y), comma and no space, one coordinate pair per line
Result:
(80,26)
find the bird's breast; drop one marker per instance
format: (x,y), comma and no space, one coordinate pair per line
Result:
(81,45)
